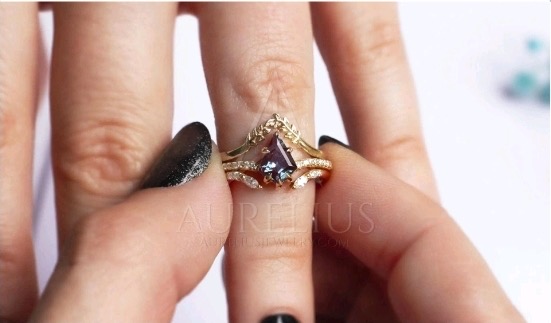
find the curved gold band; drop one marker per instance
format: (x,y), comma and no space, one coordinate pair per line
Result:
(301,164)
(316,174)
(250,181)
(259,133)
(320,170)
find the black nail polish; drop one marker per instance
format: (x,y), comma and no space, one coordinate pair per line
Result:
(279,318)
(185,158)
(325,139)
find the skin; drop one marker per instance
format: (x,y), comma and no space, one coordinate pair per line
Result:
(111,105)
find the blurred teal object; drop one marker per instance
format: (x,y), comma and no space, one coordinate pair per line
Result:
(531,81)
(534,45)
(544,94)
(524,84)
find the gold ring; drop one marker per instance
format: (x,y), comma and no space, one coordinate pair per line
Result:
(277,165)
(258,134)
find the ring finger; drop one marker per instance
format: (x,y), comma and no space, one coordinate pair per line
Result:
(258,61)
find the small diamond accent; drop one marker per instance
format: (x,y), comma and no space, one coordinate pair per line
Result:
(240,177)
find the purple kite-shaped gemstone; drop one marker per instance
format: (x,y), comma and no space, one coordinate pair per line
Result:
(277,165)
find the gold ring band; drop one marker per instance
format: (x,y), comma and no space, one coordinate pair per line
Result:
(258,134)
(250,181)
(254,166)
(277,165)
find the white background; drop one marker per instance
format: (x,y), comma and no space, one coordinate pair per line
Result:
(490,155)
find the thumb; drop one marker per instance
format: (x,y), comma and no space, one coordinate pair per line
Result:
(433,272)
(134,261)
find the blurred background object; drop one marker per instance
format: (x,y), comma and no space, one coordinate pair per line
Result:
(530,80)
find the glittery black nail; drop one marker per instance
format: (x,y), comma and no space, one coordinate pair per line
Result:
(279,318)
(325,139)
(185,158)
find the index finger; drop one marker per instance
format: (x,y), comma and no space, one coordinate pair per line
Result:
(133,262)
(434,273)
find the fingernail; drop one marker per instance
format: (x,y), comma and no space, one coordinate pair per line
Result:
(185,158)
(279,318)
(325,139)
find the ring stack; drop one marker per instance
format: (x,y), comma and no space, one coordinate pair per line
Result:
(277,165)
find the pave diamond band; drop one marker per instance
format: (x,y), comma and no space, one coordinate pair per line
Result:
(245,179)
(277,165)
(301,164)
(317,170)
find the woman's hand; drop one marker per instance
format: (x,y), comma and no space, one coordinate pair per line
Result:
(134,261)
(127,254)
(386,252)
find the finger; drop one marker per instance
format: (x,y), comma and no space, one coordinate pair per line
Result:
(111,100)
(258,61)
(345,290)
(434,273)
(364,295)
(134,261)
(362,47)
(19,43)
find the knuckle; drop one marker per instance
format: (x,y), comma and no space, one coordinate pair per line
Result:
(279,240)
(282,253)
(10,129)
(10,260)
(103,155)
(378,50)
(7,124)
(403,147)
(15,245)
(272,79)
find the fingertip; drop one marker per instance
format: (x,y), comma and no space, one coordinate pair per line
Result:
(186,157)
